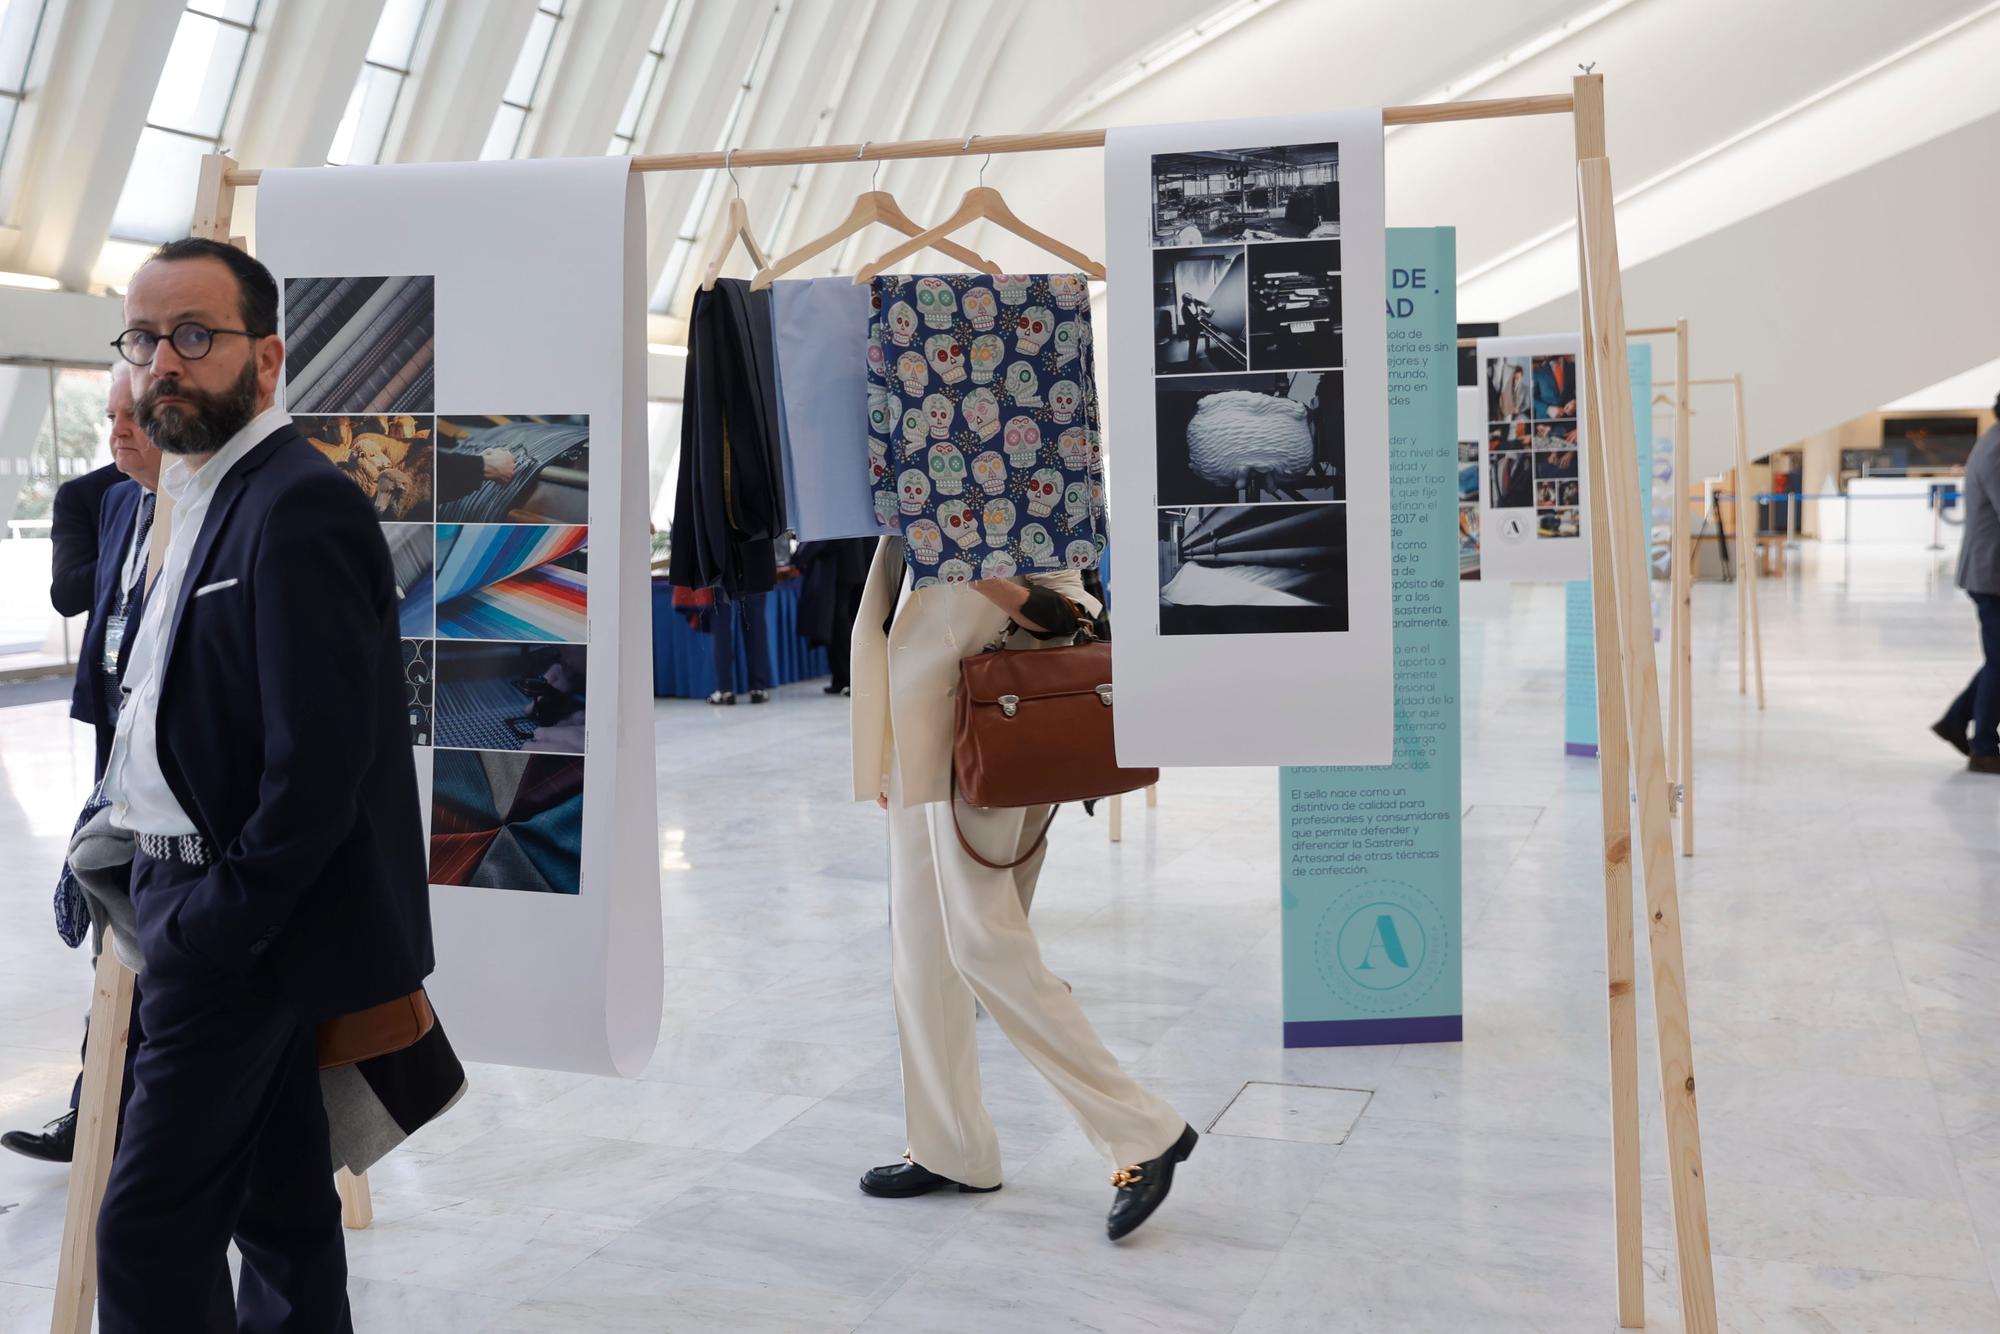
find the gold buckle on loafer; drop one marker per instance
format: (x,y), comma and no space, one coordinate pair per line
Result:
(1127,1176)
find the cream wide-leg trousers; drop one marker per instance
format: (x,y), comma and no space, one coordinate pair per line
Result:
(959,930)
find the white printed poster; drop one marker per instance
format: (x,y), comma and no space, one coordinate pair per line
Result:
(1249,372)
(1531,516)
(465,342)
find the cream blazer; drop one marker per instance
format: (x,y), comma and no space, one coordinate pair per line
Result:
(904,683)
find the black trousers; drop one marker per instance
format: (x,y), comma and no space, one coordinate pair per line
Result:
(1978,707)
(846,602)
(225,1137)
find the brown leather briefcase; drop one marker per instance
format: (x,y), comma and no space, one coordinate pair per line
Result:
(1033,728)
(376,1031)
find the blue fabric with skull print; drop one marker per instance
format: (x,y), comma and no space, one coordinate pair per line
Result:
(983,439)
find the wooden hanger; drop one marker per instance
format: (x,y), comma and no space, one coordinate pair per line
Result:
(982,202)
(736,228)
(871,206)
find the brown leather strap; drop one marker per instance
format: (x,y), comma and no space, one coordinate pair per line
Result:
(973,852)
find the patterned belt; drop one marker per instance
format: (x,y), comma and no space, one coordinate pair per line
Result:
(187,849)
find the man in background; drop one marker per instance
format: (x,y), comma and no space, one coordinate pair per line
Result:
(1972,724)
(125,516)
(73,537)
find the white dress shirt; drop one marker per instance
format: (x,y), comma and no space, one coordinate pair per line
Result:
(140,799)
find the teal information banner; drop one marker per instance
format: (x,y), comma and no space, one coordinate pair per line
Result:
(1371,856)
(1579,648)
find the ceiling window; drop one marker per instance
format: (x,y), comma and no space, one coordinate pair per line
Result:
(365,126)
(190,108)
(642,86)
(503,140)
(20,24)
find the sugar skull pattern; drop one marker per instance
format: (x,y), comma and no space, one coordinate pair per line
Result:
(982,422)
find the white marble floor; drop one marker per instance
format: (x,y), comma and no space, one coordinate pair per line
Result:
(1843,922)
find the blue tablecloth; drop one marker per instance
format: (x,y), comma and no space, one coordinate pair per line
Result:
(682,666)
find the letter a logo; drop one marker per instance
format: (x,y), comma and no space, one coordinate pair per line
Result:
(1386,940)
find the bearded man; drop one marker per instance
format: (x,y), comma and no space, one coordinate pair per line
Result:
(262,761)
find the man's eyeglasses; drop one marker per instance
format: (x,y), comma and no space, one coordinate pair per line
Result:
(192,341)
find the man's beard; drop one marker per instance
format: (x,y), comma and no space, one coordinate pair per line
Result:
(207,420)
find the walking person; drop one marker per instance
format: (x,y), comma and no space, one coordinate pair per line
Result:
(1972,724)
(723,617)
(262,764)
(959,929)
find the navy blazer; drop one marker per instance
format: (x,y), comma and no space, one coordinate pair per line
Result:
(73,537)
(283,735)
(116,516)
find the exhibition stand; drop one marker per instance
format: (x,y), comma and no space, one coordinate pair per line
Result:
(1632,756)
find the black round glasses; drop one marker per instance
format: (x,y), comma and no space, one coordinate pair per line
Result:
(192,340)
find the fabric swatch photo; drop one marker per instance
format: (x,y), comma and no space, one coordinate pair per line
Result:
(983,427)
(512,581)
(412,554)
(513,469)
(360,344)
(511,696)
(504,820)
(389,458)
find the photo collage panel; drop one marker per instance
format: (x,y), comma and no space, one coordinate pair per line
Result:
(1533,448)
(1468,509)
(487,525)
(1250,416)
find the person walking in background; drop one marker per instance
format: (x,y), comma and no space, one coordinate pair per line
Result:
(958,923)
(833,573)
(125,520)
(262,764)
(722,619)
(1972,724)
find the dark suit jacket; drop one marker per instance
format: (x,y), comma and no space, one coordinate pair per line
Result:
(283,735)
(115,519)
(73,533)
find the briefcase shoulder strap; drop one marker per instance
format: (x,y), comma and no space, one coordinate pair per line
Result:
(974,853)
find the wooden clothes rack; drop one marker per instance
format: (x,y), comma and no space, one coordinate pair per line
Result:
(1630,756)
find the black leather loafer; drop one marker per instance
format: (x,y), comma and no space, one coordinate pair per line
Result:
(899,1181)
(55,1143)
(1144,1188)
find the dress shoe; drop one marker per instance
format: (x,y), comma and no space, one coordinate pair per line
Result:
(722,697)
(1984,764)
(901,1180)
(1144,1188)
(1956,740)
(760,697)
(54,1144)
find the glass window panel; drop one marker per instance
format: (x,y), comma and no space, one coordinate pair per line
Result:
(366,123)
(505,135)
(658,46)
(236,11)
(552,7)
(18,23)
(158,200)
(528,65)
(8,106)
(635,101)
(395,39)
(199,76)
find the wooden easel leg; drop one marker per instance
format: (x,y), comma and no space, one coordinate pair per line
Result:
(96,1139)
(357,1211)
(1116,809)
(1153,795)
(1620,969)
(1612,450)
(1755,568)
(1683,610)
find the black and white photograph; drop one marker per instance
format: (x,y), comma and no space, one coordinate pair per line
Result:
(1295,306)
(360,344)
(1246,194)
(1250,439)
(511,696)
(1510,481)
(513,469)
(1253,569)
(1200,310)
(1510,396)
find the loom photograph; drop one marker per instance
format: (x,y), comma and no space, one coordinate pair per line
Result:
(1250,439)
(511,696)
(522,469)
(1295,306)
(1200,310)
(1246,194)
(1253,569)
(360,344)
